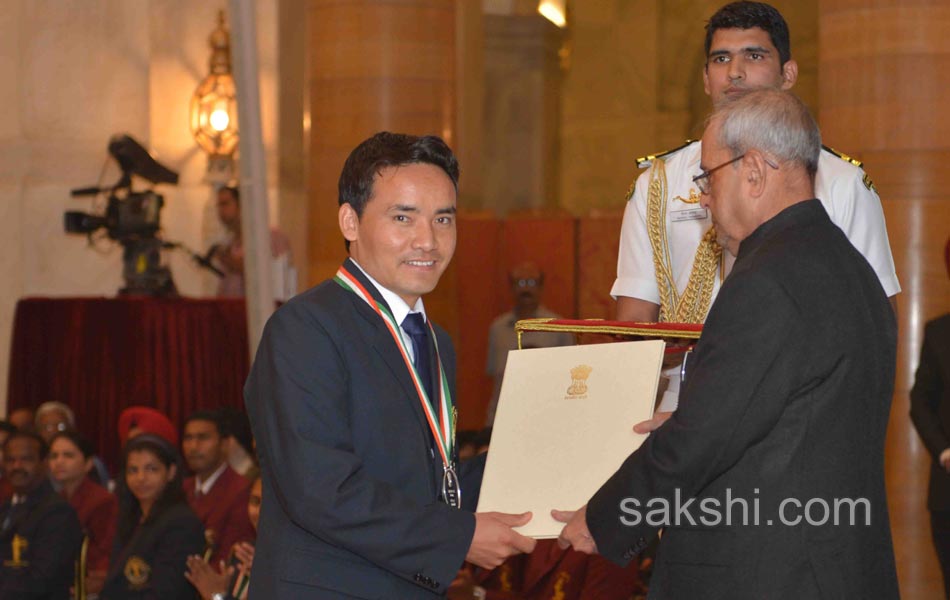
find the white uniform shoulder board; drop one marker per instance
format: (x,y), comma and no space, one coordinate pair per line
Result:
(866,179)
(645,161)
(844,156)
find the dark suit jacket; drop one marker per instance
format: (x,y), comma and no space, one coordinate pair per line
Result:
(50,529)
(786,397)
(223,512)
(151,565)
(930,405)
(350,479)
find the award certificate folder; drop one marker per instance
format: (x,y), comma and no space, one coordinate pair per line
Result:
(564,425)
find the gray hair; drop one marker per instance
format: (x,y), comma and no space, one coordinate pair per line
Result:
(48,407)
(773,121)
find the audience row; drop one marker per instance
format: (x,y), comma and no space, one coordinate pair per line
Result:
(151,532)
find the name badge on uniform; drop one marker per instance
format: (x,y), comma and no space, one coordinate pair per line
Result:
(689,214)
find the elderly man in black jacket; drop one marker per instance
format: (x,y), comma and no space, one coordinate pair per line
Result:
(772,468)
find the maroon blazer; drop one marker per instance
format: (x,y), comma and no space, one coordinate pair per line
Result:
(223,512)
(98,512)
(550,572)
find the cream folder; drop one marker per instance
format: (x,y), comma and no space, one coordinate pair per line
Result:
(564,424)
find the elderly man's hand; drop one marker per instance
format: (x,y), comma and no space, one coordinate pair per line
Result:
(652,424)
(575,534)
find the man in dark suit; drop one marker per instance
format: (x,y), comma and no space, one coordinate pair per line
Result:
(350,399)
(40,533)
(930,411)
(772,468)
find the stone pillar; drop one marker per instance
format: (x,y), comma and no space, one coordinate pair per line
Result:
(884,76)
(373,66)
(470,101)
(522,106)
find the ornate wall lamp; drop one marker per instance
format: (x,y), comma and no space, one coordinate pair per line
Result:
(214,120)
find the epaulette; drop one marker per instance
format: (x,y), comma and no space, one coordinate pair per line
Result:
(646,161)
(843,156)
(866,179)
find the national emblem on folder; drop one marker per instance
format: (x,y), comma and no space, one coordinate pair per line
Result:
(579,375)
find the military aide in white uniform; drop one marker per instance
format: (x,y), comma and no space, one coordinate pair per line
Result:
(667,258)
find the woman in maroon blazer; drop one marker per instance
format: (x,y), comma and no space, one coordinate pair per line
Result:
(70,461)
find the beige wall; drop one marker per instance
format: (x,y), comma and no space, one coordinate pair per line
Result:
(75,72)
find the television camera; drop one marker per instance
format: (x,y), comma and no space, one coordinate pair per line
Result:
(134,220)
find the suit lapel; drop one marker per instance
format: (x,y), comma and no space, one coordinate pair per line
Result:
(383,343)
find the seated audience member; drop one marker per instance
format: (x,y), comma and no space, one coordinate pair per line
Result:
(21,418)
(527,285)
(216,493)
(6,428)
(136,420)
(157,531)
(482,441)
(70,464)
(240,441)
(229,582)
(467,443)
(53,417)
(40,535)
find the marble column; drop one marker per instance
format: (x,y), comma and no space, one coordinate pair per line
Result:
(373,65)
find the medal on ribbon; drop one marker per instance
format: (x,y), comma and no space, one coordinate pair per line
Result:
(441,424)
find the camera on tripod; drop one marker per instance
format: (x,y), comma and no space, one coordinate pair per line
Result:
(132,218)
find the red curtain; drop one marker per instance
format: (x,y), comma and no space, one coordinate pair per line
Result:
(100,355)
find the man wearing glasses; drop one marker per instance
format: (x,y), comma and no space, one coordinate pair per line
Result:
(670,264)
(526,281)
(786,406)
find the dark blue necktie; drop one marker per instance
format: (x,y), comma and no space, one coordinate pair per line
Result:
(415,325)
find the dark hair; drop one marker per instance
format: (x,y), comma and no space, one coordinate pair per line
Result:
(484,437)
(238,427)
(467,437)
(84,445)
(211,416)
(7,426)
(387,149)
(28,435)
(130,512)
(746,15)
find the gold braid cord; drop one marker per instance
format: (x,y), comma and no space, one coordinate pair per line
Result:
(693,304)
